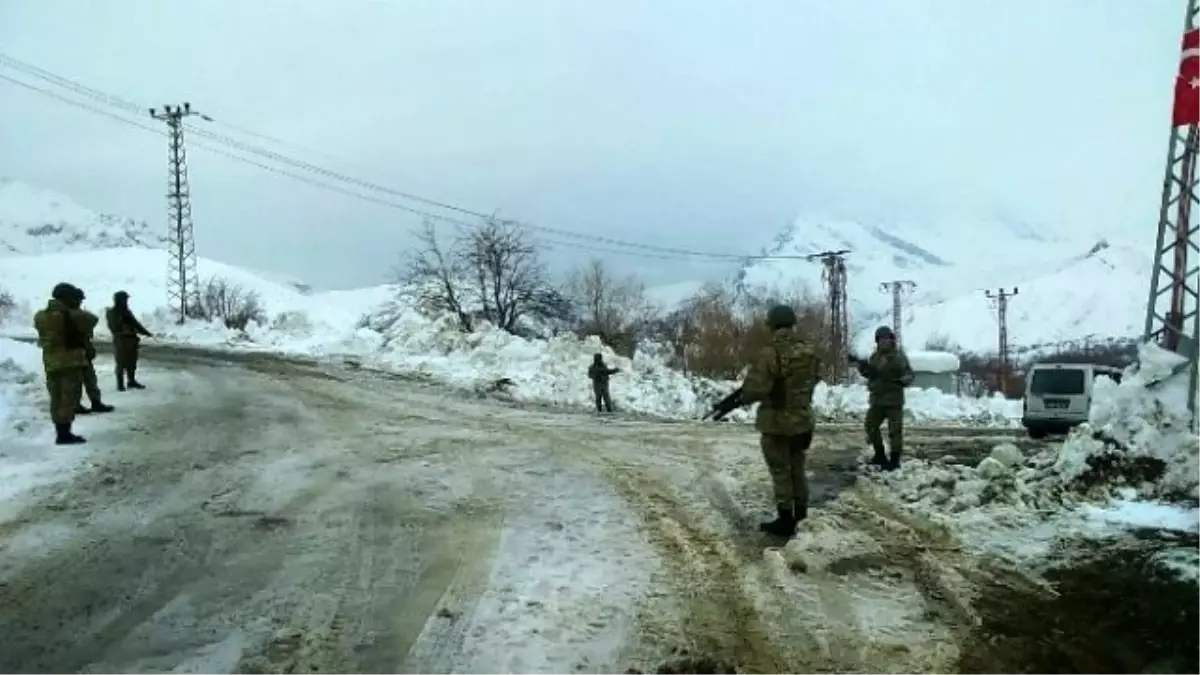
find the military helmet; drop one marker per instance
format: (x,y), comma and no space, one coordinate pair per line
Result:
(64,291)
(120,296)
(781,316)
(884,332)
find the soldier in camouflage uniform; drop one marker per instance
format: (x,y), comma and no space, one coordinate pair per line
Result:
(86,322)
(781,380)
(599,372)
(126,331)
(888,373)
(64,358)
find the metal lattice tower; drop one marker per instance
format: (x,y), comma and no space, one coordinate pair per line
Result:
(1172,316)
(834,277)
(182,277)
(1000,301)
(897,288)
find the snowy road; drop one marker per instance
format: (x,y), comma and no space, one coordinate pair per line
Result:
(259,515)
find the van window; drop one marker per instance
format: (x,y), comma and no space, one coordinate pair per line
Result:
(1064,382)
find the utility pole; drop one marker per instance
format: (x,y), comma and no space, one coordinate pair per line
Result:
(1000,301)
(182,281)
(1172,316)
(897,289)
(834,277)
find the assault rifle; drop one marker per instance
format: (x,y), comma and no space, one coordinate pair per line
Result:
(725,406)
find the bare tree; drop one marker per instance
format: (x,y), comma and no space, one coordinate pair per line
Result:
(510,280)
(434,275)
(612,308)
(491,272)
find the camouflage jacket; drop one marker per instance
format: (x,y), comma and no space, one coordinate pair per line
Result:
(63,344)
(86,322)
(887,373)
(122,324)
(781,380)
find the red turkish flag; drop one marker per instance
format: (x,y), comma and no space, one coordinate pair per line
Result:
(1187,84)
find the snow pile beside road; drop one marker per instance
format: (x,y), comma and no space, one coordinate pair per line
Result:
(552,371)
(21,385)
(921,405)
(1135,450)
(370,326)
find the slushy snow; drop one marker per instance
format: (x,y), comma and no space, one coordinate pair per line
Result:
(380,328)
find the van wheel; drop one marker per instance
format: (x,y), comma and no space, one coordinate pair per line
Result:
(1036,433)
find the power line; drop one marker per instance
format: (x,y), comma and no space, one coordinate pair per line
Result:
(125,104)
(335,188)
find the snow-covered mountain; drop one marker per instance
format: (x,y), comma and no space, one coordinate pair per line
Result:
(1068,288)
(36,221)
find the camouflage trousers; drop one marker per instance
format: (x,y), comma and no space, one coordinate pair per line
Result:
(65,387)
(91,386)
(785,457)
(894,415)
(125,354)
(600,393)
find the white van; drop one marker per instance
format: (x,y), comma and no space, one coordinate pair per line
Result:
(1059,395)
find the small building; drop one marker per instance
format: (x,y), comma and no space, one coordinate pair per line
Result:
(935,370)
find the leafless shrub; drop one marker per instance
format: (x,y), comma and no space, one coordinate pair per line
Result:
(235,306)
(717,332)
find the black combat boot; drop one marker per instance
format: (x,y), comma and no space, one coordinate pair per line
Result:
(99,407)
(63,435)
(82,410)
(133,383)
(893,461)
(880,459)
(784,524)
(801,512)
(120,380)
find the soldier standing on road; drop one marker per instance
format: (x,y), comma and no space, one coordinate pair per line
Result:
(126,333)
(64,358)
(888,373)
(86,322)
(781,380)
(599,372)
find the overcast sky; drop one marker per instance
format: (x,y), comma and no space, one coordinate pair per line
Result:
(689,123)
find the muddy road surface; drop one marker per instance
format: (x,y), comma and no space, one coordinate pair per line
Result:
(253,514)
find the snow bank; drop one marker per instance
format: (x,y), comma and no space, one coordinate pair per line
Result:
(375,327)
(921,405)
(1127,467)
(933,362)
(21,384)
